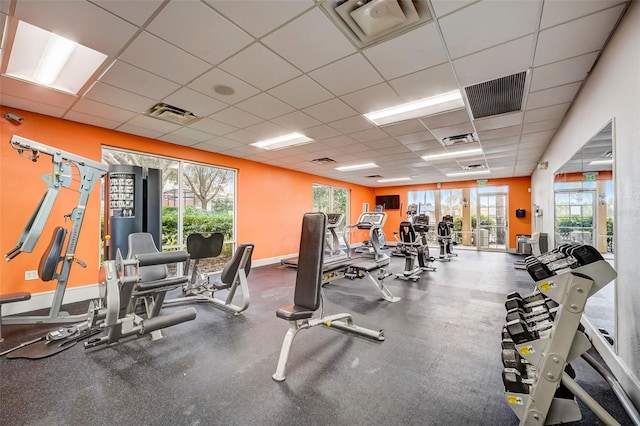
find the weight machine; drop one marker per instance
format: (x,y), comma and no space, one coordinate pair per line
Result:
(89,172)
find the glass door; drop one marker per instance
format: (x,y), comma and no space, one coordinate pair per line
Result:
(575,216)
(492,230)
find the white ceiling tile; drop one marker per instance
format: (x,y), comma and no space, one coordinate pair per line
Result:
(418,49)
(159,57)
(446,119)
(423,84)
(91,119)
(546,113)
(235,117)
(415,137)
(499,133)
(177,140)
(191,134)
(347,75)
(404,128)
(138,81)
(80,21)
(260,67)
(140,131)
(119,98)
(266,130)
(31,105)
(4,7)
(540,126)
(560,42)
(496,122)
(296,120)
(301,92)
(309,41)
(199,30)
(107,112)
(372,98)
(381,143)
(206,82)
(369,135)
(499,61)
(420,147)
(558,11)
(537,137)
(272,13)
(457,129)
(488,23)
(213,127)
(243,136)
(39,94)
(442,7)
(563,72)
(330,110)
(352,124)
(195,102)
(321,132)
(218,144)
(135,12)
(265,106)
(553,96)
(153,124)
(510,140)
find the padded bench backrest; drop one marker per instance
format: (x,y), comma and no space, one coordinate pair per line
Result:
(142,242)
(231,268)
(201,247)
(51,256)
(310,259)
(407,232)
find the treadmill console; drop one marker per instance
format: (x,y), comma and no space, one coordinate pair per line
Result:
(334,219)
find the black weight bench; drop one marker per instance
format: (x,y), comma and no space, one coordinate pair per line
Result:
(307,294)
(11,298)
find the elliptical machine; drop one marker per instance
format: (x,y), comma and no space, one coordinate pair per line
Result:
(412,243)
(445,228)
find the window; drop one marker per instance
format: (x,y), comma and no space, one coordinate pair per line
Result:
(195,198)
(330,199)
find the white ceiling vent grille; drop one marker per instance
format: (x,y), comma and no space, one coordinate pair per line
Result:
(497,96)
(170,113)
(459,139)
(323,160)
(371,21)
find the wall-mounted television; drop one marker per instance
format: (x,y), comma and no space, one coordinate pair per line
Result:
(390,202)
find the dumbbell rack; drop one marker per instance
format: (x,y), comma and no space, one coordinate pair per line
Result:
(549,353)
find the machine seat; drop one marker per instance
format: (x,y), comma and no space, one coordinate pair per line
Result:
(156,285)
(294,313)
(368,265)
(51,256)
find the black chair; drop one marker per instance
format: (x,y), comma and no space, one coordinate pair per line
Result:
(307,294)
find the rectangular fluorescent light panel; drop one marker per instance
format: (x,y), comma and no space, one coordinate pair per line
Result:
(399,179)
(283,141)
(601,162)
(420,108)
(357,167)
(47,59)
(477,172)
(450,154)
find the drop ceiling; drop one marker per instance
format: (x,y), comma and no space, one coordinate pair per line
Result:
(292,68)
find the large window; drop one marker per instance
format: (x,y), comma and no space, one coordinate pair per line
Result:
(330,199)
(195,198)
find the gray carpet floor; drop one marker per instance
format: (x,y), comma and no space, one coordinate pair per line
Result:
(439,364)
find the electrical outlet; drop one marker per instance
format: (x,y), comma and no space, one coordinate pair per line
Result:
(31,275)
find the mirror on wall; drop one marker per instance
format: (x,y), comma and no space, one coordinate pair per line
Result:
(584,213)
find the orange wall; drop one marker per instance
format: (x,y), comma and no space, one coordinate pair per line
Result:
(519,197)
(579,177)
(271,200)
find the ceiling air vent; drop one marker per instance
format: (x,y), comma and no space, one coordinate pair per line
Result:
(323,160)
(473,166)
(373,176)
(370,21)
(170,113)
(459,139)
(497,96)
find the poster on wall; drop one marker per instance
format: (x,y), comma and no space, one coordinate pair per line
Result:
(121,194)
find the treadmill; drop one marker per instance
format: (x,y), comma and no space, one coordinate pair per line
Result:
(333,254)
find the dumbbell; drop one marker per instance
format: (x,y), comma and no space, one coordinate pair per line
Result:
(514,381)
(586,254)
(520,332)
(511,359)
(543,317)
(538,271)
(525,303)
(531,326)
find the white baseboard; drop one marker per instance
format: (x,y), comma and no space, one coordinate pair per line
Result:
(45,299)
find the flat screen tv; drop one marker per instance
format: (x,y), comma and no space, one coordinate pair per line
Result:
(390,202)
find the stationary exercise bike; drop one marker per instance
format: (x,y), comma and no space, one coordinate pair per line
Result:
(445,228)
(412,243)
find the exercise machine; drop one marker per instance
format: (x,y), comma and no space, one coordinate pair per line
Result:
(333,254)
(380,238)
(203,287)
(87,173)
(445,238)
(307,297)
(412,242)
(129,286)
(543,335)
(363,266)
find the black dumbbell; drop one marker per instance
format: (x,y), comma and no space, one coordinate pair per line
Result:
(520,332)
(514,382)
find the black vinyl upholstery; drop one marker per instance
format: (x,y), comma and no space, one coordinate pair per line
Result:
(51,256)
(231,268)
(407,232)
(201,247)
(306,299)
